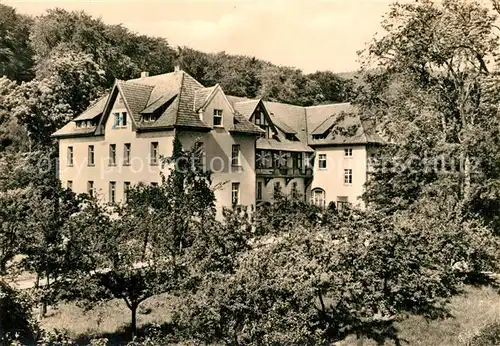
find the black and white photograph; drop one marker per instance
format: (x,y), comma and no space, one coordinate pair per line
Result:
(246,173)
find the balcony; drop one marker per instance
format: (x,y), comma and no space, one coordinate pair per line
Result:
(284,172)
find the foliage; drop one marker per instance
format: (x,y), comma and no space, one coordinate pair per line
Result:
(136,250)
(121,53)
(434,94)
(489,335)
(16,54)
(66,85)
(313,285)
(16,322)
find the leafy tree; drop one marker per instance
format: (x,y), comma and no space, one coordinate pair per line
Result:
(121,54)
(67,83)
(12,134)
(434,94)
(317,285)
(139,249)
(16,322)
(13,232)
(16,54)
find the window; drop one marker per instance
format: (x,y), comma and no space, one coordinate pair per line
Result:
(120,119)
(294,190)
(217,117)
(126,154)
(342,203)
(78,124)
(70,156)
(116,121)
(235,193)
(322,161)
(235,155)
(112,191)
(277,190)
(126,188)
(259,190)
(348,152)
(90,188)
(318,197)
(112,154)
(347,176)
(69,185)
(258,118)
(91,158)
(154,153)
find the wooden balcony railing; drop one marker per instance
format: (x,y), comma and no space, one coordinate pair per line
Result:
(284,172)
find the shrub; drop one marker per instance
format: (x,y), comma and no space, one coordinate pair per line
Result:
(489,335)
(16,322)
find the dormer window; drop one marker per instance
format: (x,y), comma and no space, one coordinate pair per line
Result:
(148,118)
(321,136)
(217,117)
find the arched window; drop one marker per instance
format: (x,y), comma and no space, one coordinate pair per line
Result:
(318,197)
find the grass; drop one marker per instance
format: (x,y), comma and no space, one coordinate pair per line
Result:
(471,312)
(110,319)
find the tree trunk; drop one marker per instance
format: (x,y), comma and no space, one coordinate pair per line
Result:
(467,178)
(3,262)
(133,324)
(44,299)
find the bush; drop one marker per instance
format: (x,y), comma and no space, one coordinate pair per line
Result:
(16,322)
(357,275)
(489,335)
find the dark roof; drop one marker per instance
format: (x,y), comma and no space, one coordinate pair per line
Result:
(293,116)
(94,110)
(201,97)
(273,144)
(136,96)
(342,125)
(246,108)
(176,98)
(243,125)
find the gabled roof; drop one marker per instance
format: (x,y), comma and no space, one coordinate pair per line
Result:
(136,96)
(201,96)
(94,110)
(317,115)
(292,116)
(243,125)
(246,108)
(341,124)
(175,99)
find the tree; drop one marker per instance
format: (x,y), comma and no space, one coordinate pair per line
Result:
(16,54)
(13,234)
(317,285)
(139,249)
(432,92)
(65,86)
(121,54)
(12,133)
(16,322)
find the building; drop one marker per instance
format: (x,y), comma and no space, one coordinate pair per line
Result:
(254,148)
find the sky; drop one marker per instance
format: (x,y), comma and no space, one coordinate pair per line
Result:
(308,34)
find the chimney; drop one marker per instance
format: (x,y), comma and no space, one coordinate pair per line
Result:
(177,68)
(144,74)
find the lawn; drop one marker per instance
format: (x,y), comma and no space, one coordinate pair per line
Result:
(472,311)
